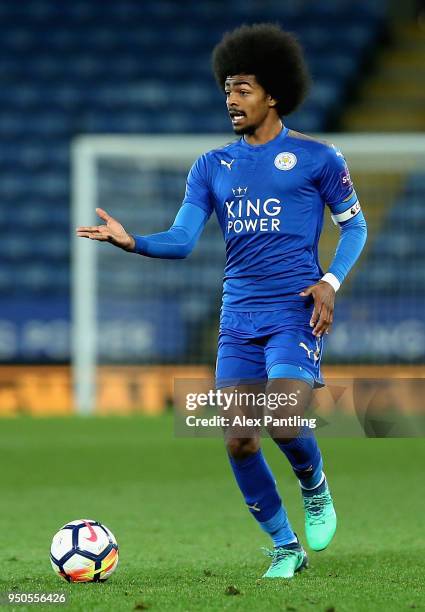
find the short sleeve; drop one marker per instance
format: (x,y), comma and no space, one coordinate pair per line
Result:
(198,191)
(334,181)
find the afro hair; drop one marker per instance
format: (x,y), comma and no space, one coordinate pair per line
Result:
(272,55)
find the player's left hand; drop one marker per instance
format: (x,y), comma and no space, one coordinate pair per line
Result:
(324,302)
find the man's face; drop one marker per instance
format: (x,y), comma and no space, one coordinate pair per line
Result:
(247,102)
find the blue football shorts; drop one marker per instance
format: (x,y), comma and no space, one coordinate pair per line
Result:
(254,347)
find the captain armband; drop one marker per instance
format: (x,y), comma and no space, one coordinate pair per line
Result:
(351,212)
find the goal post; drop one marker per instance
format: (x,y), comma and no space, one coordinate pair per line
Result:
(83,278)
(175,151)
(129,310)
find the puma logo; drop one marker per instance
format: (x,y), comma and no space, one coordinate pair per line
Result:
(254,507)
(227,164)
(315,353)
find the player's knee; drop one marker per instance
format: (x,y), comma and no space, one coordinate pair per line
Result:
(285,428)
(279,440)
(240,448)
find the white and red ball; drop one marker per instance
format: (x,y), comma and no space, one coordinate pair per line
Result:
(84,551)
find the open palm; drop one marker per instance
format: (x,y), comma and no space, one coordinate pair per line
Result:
(112,232)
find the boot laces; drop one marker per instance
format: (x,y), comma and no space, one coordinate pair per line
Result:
(315,506)
(278,554)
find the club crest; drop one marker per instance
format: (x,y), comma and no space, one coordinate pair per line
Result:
(285,161)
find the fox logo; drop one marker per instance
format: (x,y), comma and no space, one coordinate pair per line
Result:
(315,353)
(227,164)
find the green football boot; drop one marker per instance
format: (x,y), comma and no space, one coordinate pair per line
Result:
(320,517)
(286,560)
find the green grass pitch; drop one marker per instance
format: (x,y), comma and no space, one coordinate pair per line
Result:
(185,536)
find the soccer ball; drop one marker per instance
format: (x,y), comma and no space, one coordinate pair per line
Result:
(84,551)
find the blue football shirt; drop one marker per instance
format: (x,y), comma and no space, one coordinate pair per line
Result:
(269,200)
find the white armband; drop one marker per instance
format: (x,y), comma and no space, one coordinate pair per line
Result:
(347,214)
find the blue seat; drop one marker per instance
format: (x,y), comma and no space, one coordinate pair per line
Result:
(40,278)
(53,247)
(15,247)
(415,184)
(34,216)
(403,249)
(306,121)
(409,210)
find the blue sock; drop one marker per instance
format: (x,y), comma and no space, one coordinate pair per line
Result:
(279,529)
(305,458)
(258,487)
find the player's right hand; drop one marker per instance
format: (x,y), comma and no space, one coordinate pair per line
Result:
(324,303)
(112,232)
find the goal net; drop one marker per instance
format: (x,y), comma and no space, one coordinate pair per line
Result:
(131,311)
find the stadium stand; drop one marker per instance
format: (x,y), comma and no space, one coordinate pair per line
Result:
(404,249)
(393,97)
(132,67)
